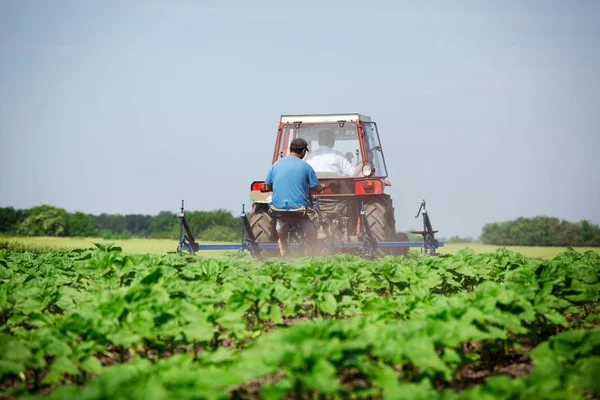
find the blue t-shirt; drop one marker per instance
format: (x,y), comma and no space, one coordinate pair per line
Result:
(292,180)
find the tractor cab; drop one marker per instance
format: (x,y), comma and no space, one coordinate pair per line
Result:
(350,140)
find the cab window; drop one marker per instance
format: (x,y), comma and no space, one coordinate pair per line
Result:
(373,148)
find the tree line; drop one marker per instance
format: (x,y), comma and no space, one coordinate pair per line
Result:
(222,225)
(45,220)
(541,231)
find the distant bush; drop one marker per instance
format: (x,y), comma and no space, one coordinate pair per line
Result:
(202,220)
(458,239)
(412,237)
(220,234)
(541,231)
(81,225)
(164,226)
(10,218)
(45,220)
(108,235)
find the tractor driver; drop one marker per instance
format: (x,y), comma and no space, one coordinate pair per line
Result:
(326,159)
(291,181)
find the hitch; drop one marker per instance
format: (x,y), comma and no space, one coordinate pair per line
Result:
(187,241)
(366,244)
(430,243)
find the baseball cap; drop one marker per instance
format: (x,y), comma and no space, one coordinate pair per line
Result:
(298,145)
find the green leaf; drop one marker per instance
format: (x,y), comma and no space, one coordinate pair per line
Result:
(11,349)
(152,278)
(42,319)
(11,367)
(277,390)
(60,366)
(420,351)
(91,364)
(27,306)
(556,318)
(586,376)
(275,313)
(321,377)
(202,331)
(163,318)
(219,356)
(108,247)
(123,338)
(216,378)
(66,303)
(327,304)
(58,348)
(451,356)
(387,379)
(234,322)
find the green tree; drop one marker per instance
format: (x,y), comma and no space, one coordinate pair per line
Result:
(165,225)
(138,224)
(565,234)
(114,223)
(458,239)
(44,221)
(589,234)
(81,225)
(202,220)
(10,218)
(541,231)
(220,234)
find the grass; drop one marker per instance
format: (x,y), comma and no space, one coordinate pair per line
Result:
(544,253)
(163,246)
(142,246)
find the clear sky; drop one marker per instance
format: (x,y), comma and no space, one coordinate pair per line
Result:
(490,110)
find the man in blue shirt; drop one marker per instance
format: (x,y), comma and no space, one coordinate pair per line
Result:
(292,180)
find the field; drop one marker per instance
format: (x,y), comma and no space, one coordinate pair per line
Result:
(137,246)
(164,246)
(102,323)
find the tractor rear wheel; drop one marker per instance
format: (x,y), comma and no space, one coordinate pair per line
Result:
(377,214)
(263,228)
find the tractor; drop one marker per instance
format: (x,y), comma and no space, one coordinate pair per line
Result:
(340,204)
(354,214)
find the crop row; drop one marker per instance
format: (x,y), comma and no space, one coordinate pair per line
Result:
(186,327)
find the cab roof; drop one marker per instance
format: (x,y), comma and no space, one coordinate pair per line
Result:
(314,118)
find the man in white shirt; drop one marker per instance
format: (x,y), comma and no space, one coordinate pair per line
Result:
(325,159)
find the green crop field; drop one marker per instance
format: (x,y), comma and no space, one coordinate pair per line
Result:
(101,323)
(164,246)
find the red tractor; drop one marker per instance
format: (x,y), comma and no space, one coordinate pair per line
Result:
(355,137)
(354,214)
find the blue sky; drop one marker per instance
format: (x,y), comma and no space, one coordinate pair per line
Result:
(487,109)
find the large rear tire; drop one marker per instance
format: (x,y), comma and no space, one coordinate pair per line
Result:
(263,228)
(378,213)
